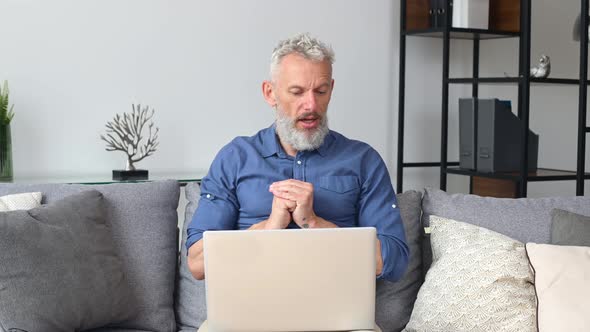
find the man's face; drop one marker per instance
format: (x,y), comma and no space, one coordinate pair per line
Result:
(302,90)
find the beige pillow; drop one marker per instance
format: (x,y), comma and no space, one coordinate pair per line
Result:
(562,283)
(479,281)
(24,201)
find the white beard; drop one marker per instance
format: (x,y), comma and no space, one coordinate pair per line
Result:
(301,139)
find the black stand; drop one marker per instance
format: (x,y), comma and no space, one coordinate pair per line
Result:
(122,175)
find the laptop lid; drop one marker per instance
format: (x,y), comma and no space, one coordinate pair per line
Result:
(290,280)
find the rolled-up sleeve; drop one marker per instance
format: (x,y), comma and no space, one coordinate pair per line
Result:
(218,207)
(378,208)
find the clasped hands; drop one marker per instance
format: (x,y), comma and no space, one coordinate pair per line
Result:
(293,200)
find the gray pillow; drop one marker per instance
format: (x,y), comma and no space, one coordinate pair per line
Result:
(190,306)
(570,229)
(144,222)
(394,301)
(59,268)
(523,219)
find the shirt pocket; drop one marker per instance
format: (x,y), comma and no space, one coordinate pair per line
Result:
(340,184)
(337,199)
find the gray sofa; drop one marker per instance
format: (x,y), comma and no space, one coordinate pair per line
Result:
(143,220)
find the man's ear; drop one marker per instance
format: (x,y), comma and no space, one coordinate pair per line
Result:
(269,93)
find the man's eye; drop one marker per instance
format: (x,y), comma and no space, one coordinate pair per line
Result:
(321,92)
(296,93)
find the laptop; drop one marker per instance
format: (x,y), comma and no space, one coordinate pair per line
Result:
(290,279)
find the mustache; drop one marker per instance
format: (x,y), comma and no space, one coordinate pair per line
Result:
(309,114)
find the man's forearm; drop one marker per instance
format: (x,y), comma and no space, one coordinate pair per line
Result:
(315,222)
(379,258)
(258,226)
(196,260)
(265,224)
(318,222)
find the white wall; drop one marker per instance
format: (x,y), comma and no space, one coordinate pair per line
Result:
(72,65)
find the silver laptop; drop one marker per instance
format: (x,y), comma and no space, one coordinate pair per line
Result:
(290,280)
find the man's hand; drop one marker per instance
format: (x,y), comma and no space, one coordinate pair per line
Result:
(280,216)
(301,194)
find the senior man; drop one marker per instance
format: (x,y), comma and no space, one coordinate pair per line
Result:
(298,173)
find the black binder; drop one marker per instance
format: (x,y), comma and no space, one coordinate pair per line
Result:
(467,144)
(496,147)
(499,138)
(438,13)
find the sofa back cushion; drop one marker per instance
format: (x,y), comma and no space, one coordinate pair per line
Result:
(394,301)
(143,220)
(570,229)
(190,306)
(523,219)
(49,257)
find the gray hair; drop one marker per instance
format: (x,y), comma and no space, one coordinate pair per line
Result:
(304,45)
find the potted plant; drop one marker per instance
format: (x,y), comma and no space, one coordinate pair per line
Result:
(6,115)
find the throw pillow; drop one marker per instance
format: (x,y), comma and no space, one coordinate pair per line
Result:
(479,281)
(569,228)
(395,300)
(144,219)
(24,201)
(561,283)
(59,270)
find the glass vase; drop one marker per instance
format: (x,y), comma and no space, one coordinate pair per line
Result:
(5,153)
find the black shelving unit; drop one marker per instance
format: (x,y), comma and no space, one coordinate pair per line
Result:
(524,82)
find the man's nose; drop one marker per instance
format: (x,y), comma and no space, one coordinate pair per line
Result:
(310,101)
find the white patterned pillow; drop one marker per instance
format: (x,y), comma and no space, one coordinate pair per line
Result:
(24,201)
(479,281)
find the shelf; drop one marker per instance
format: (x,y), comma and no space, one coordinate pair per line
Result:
(542,174)
(183,178)
(462,33)
(513,80)
(556,81)
(484,80)
(430,164)
(507,19)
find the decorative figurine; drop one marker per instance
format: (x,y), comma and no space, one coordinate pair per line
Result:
(124,133)
(543,69)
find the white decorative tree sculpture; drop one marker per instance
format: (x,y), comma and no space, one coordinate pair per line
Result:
(125,133)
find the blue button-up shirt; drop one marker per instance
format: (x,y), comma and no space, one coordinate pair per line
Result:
(350,180)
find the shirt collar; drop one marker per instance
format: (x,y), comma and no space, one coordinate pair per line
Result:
(323,149)
(270,143)
(272,146)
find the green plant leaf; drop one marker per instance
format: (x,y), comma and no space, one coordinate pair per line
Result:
(6,115)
